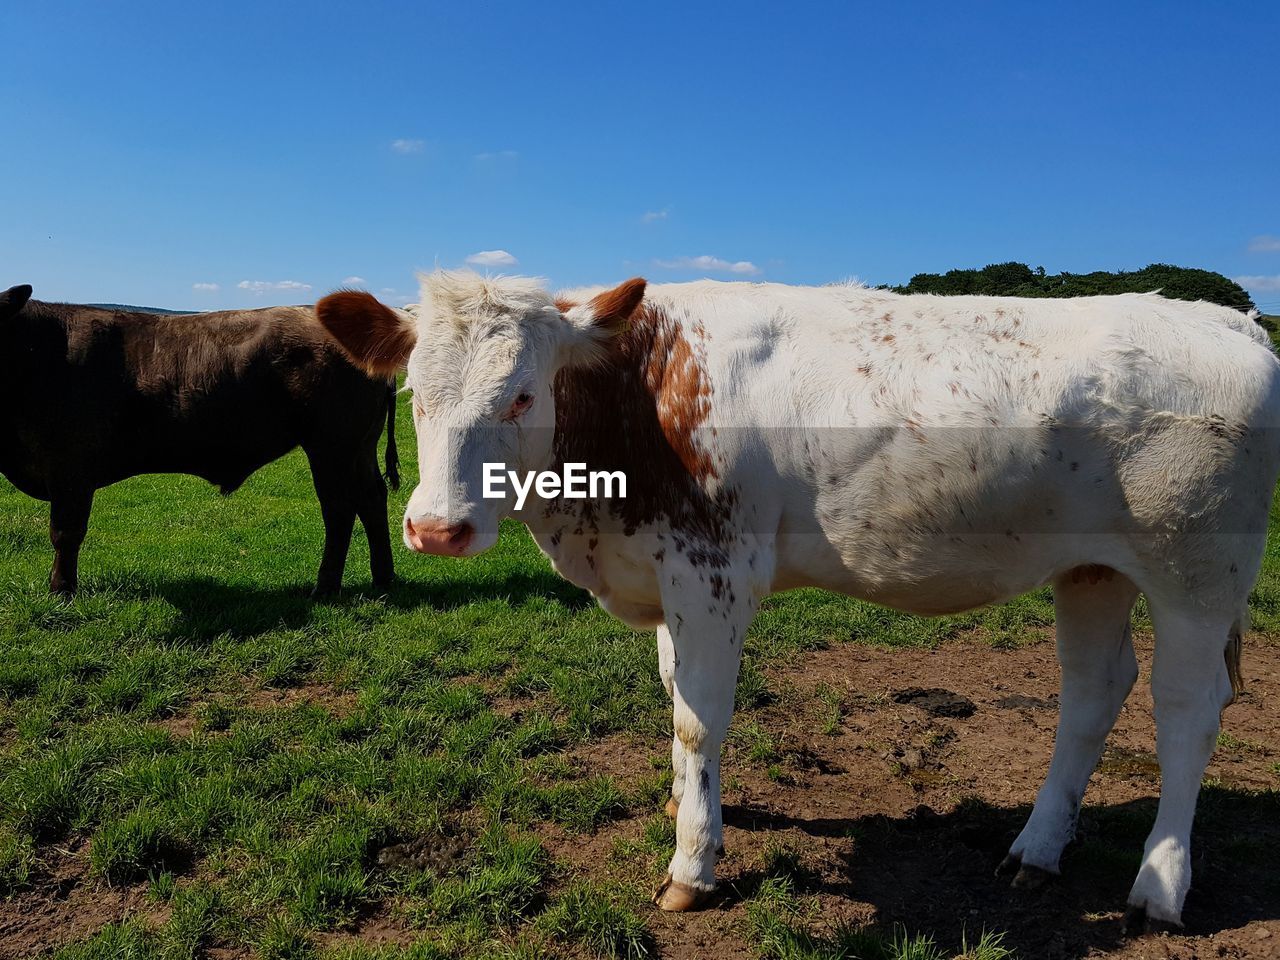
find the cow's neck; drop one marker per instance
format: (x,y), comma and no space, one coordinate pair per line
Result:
(639,412)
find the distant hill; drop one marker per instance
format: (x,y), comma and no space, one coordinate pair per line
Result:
(128,308)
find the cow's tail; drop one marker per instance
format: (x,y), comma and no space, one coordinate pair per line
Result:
(1235,646)
(392,473)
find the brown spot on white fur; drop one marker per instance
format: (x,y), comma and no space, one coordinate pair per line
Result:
(659,397)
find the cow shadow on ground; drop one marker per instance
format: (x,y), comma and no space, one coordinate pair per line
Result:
(936,873)
(208,608)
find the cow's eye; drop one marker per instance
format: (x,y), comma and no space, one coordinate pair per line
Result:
(522,403)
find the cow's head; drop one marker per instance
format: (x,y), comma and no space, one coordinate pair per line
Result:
(482,355)
(14,299)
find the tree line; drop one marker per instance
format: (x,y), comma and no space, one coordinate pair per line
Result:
(1019,280)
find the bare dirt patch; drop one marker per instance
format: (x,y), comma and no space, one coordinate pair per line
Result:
(65,905)
(901,811)
(339,703)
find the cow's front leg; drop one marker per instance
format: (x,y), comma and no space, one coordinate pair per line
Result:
(667,671)
(68,525)
(707,617)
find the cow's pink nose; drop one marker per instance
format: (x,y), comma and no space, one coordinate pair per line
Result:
(430,535)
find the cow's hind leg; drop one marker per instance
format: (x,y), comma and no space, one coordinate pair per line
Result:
(667,671)
(1092,607)
(1190,685)
(68,525)
(335,484)
(372,508)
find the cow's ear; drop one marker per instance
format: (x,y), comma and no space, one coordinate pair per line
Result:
(14,299)
(376,337)
(603,316)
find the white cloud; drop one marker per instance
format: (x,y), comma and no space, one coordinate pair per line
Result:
(1259,284)
(354,282)
(205,287)
(492,258)
(1264,243)
(708,264)
(653,216)
(408,146)
(260,287)
(491,155)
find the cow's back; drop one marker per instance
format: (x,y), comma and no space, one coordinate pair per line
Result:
(107,395)
(891,440)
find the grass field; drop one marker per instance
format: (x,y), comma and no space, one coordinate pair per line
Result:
(225,768)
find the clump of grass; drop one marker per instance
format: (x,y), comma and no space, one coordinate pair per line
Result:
(990,946)
(283,938)
(756,743)
(215,716)
(116,941)
(143,842)
(832,708)
(1229,741)
(582,807)
(17,860)
(191,924)
(752,690)
(501,884)
(588,914)
(44,796)
(328,873)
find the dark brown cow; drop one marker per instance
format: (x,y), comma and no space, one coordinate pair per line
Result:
(90,396)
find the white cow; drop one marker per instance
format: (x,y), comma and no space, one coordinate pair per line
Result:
(929,454)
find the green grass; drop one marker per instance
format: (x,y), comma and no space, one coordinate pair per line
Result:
(247,753)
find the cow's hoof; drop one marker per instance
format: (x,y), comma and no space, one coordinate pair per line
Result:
(1009,865)
(678,897)
(1138,923)
(326,592)
(672,808)
(1031,878)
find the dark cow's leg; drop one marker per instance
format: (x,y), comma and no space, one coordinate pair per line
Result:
(372,508)
(68,524)
(334,483)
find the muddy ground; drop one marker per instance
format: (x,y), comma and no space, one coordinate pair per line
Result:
(903,811)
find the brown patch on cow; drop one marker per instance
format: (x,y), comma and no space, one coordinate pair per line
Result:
(639,412)
(372,334)
(1092,573)
(678,381)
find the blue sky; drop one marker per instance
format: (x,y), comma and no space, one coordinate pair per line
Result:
(232,154)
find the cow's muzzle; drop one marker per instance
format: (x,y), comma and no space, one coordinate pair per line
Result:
(439,537)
